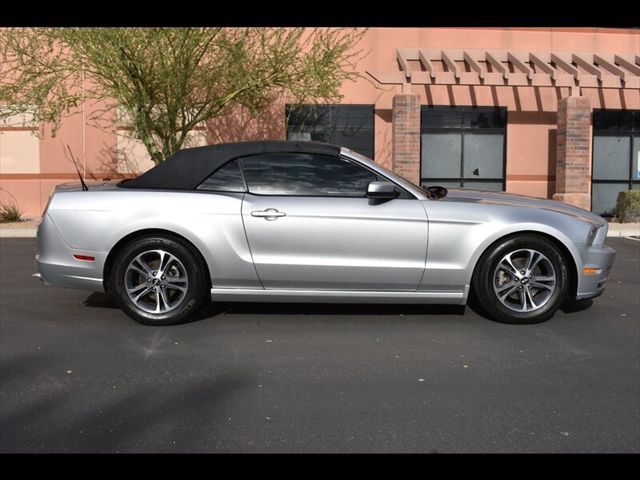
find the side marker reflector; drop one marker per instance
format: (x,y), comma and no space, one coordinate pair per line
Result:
(86,258)
(591,271)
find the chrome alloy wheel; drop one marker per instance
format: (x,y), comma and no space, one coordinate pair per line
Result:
(524,280)
(156,281)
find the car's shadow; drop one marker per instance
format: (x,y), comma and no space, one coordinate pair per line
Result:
(105,300)
(574,306)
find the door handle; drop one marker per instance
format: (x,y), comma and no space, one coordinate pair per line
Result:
(268,214)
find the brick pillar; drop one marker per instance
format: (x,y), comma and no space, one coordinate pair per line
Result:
(406,136)
(573,157)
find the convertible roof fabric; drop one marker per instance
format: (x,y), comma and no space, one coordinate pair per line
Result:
(187,168)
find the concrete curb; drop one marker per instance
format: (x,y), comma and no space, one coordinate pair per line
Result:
(624,230)
(29,232)
(615,230)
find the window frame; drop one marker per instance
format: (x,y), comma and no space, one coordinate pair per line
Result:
(630,134)
(461,129)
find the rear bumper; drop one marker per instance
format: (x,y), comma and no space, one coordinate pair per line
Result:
(56,265)
(601,259)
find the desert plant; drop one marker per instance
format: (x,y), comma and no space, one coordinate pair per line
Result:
(163,82)
(9,210)
(628,206)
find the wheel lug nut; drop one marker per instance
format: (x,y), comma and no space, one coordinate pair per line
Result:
(163,277)
(155,273)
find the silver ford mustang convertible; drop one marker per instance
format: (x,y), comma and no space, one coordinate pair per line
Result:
(310,222)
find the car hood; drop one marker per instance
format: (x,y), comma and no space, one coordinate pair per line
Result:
(522,201)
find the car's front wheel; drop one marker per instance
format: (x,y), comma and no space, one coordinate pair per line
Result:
(521,280)
(158,280)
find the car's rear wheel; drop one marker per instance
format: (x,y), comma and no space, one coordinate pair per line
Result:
(521,280)
(158,280)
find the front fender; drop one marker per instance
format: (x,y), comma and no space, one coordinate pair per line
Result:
(520,229)
(455,247)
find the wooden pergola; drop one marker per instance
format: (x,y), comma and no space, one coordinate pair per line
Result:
(426,66)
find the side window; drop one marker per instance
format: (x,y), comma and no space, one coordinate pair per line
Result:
(227,178)
(305,174)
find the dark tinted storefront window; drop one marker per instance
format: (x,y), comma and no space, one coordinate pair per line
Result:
(349,126)
(463,147)
(616,157)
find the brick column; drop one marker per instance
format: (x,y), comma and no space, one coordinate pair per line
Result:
(573,154)
(406,136)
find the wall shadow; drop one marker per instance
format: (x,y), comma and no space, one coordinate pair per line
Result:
(238,125)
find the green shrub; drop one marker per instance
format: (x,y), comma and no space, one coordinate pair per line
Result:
(9,210)
(628,206)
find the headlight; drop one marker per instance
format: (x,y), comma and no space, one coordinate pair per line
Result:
(592,235)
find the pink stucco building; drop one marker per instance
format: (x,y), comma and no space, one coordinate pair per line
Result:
(548,112)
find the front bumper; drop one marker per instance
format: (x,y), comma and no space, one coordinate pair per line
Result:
(600,259)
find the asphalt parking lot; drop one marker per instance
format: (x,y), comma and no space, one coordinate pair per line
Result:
(77,375)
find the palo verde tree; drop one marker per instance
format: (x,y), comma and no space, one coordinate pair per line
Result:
(163,82)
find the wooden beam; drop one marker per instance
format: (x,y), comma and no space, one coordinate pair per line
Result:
(540,68)
(450,63)
(623,62)
(475,66)
(608,65)
(497,64)
(542,65)
(519,63)
(427,63)
(404,64)
(564,63)
(587,65)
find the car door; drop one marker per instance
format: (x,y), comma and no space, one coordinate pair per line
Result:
(310,226)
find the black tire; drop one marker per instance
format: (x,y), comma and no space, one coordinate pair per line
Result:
(185,302)
(489,273)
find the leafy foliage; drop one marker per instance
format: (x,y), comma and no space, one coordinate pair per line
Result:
(628,206)
(163,82)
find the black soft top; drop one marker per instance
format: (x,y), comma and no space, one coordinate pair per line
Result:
(188,168)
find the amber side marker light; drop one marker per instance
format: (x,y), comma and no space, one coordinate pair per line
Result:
(86,258)
(591,271)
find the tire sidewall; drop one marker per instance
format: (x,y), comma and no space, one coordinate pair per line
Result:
(484,280)
(194,271)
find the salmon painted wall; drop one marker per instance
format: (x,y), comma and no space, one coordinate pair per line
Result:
(531,119)
(531,113)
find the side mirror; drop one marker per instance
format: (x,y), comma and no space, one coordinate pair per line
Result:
(382,190)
